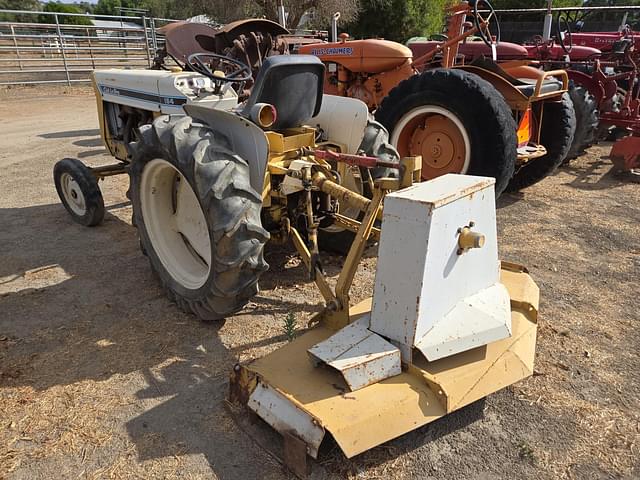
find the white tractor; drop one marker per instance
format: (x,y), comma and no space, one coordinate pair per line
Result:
(213,179)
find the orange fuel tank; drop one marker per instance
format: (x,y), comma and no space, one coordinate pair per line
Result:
(362,56)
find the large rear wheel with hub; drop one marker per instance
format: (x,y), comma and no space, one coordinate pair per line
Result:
(556,134)
(197,216)
(457,121)
(79,192)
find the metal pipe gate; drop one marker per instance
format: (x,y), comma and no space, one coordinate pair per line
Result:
(65,50)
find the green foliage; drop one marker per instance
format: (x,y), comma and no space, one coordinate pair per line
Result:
(592,17)
(399,20)
(289,326)
(526,452)
(112,7)
(58,7)
(33,5)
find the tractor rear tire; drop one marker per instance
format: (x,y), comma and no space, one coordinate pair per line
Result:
(197,216)
(556,134)
(79,192)
(457,99)
(587,119)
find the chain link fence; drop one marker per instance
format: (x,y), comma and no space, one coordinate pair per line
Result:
(66,48)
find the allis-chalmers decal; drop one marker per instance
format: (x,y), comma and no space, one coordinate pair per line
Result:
(332,51)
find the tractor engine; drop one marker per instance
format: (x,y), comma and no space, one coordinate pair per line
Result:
(362,69)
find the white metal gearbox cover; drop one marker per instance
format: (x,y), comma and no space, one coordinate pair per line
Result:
(420,277)
(477,320)
(343,121)
(361,356)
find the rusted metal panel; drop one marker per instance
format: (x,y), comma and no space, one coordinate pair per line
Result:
(286,416)
(295,455)
(625,153)
(361,356)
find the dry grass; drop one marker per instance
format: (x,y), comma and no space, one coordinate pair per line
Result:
(100,377)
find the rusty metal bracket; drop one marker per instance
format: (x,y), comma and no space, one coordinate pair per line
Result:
(295,455)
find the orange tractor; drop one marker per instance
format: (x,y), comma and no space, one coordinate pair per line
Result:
(510,121)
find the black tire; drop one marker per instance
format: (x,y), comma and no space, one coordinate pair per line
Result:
(79,192)
(478,105)
(375,144)
(556,135)
(220,180)
(587,119)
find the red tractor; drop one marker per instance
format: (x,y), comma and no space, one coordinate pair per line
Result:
(604,85)
(604,82)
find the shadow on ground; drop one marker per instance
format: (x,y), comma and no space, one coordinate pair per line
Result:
(98,312)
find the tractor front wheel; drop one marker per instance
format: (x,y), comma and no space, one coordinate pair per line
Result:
(457,121)
(197,216)
(79,192)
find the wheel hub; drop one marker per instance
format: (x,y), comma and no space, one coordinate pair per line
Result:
(73,194)
(438,136)
(437,148)
(441,145)
(175,224)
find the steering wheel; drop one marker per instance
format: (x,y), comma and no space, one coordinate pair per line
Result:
(562,19)
(483,24)
(240,72)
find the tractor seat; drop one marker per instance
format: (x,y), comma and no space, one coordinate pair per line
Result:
(527,86)
(293,84)
(621,46)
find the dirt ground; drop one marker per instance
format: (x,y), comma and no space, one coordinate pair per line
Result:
(102,377)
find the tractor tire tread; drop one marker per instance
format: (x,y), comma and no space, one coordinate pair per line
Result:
(481,108)
(221,181)
(587,119)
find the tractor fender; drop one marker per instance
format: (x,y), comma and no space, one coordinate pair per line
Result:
(588,82)
(343,121)
(245,139)
(513,97)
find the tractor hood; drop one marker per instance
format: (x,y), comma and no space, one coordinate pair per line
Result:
(578,53)
(472,50)
(370,56)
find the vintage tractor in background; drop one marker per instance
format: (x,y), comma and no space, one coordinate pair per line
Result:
(604,85)
(212,179)
(510,121)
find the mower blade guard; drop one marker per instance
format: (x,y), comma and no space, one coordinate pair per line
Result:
(312,401)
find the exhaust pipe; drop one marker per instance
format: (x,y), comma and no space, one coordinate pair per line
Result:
(263,114)
(548,22)
(334,26)
(282,16)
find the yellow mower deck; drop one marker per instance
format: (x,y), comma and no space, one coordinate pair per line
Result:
(424,392)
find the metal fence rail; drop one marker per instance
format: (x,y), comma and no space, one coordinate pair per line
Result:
(61,50)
